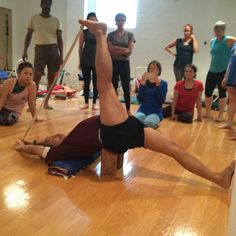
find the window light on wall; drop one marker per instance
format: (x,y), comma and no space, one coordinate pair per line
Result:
(107,9)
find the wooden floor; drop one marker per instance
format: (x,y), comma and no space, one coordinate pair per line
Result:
(152,195)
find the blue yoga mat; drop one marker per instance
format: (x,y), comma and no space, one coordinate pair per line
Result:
(69,168)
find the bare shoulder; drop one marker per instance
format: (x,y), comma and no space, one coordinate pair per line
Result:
(32,86)
(231,40)
(9,82)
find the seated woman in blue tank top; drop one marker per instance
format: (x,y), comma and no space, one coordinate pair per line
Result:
(152,94)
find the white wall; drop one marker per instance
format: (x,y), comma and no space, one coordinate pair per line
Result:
(158,23)
(161,21)
(22,10)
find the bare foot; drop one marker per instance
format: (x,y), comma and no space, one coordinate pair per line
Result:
(48,107)
(206,115)
(18,145)
(219,119)
(226,176)
(227,125)
(94,107)
(232,137)
(85,106)
(94,27)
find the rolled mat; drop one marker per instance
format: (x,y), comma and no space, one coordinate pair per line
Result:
(69,168)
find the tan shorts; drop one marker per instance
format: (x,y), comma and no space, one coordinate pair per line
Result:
(46,55)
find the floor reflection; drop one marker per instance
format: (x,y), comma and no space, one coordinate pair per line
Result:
(15,195)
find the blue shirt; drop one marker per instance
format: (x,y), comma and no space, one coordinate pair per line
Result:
(220,54)
(152,98)
(231,77)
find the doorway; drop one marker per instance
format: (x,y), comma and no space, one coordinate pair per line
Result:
(6,39)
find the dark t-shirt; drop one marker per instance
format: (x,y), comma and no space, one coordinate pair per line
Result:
(81,142)
(89,50)
(184,54)
(123,42)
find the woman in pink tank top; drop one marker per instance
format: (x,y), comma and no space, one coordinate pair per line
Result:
(15,93)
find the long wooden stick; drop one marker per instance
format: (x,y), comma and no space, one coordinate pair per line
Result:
(53,83)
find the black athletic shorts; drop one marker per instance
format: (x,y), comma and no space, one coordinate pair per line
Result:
(127,135)
(214,80)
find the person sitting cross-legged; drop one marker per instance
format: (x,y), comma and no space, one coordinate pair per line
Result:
(151,94)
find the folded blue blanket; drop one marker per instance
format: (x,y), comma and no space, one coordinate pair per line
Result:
(69,168)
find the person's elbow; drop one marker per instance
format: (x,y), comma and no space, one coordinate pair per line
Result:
(166,48)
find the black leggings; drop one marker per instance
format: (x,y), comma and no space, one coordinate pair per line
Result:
(185,117)
(122,69)
(214,80)
(8,117)
(86,70)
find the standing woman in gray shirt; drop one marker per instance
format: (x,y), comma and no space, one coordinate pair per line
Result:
(120,45)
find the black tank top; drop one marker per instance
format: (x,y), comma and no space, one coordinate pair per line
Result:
(184,54)
(89,50)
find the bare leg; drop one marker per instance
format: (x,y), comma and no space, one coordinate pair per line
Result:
(222,104)
(208,102)
(111,110)
(51,77)
(231,108)
(159,143)
(37,78)
(232,135)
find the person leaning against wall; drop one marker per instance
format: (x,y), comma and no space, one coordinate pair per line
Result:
(185,48)
(48,44)
(221,46)
(120,45)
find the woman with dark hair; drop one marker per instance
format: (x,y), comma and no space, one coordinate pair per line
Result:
(87,51)
(120,45)
(16,93)
(185,48)
(187,93)
(221,46)
(151,94)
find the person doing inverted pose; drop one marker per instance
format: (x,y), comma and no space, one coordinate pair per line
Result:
(119,132)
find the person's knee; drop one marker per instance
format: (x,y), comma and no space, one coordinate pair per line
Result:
(222,93)
(208,92)
(140,116)
(152,121)
(37,76)
(9,119)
